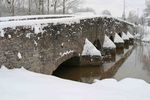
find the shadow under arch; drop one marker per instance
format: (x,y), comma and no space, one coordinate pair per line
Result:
(111,38)
(70,61)
(120,34)
(97,44)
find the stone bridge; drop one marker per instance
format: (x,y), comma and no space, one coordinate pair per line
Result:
(43,47)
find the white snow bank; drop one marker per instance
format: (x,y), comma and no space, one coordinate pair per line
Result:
(124,36)
(146,38)
(108,43)
(20,84)
(90,49)
(118,39)
(130,35)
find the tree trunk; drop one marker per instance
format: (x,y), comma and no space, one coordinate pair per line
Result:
(47,6)
(29,7)
(13,8)
(55,7)
(0,8)
(64,6)
(42,6)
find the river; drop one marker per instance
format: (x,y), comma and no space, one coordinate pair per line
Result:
(137,65)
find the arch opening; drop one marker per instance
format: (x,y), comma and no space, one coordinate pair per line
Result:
(120,34)
(97,44)
(112,38)
(67,69)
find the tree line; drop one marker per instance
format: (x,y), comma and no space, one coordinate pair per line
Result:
(28,7)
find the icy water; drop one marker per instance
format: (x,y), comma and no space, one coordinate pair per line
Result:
(137,65)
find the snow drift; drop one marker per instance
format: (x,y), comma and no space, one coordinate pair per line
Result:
(20,84)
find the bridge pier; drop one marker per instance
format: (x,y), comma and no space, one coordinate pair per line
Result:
(109,54)
(119,48)
(126,44)
(91,60)
(131,41)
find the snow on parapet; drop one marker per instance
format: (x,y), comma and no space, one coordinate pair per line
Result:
(124,36)
(1,32)
(108,43)
(90,50)
(118,39)
(130,35)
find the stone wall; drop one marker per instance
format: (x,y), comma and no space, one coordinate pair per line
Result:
(44,52)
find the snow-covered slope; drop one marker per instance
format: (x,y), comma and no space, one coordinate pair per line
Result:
(108,43)
(118,39)
(89,49)
(130,35)
(124,36)
(20,84)
(146,38)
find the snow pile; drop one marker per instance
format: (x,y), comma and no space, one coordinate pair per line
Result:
(19,55)
(146,29)
(146,38)
(20,84)
(118,39)
(130,35)
(9,36)
(124,36)
(90,49)
(108,43)
(28,35)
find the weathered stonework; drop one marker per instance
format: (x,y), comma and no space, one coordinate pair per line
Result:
(44,52)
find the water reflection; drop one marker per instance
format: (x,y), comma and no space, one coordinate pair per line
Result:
(146,57)
(136,66)
(87,74)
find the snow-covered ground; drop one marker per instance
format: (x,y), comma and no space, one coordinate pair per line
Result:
(20,84)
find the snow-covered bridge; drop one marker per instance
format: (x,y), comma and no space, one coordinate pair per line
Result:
(42,43)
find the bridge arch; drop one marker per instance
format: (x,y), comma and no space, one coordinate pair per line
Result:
(97,44)
(70,57)
(69,61)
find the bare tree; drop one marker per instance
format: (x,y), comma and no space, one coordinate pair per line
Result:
(69,4)
(147,10)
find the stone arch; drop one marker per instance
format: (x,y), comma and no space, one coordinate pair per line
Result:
(97,44)
(65,58)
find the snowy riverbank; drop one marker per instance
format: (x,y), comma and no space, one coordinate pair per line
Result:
(20,84)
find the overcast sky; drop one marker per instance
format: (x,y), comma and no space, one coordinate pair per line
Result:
(115,6)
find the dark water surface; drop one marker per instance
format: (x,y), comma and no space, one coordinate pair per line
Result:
(137,65)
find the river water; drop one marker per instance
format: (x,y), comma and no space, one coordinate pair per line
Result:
(137,65)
